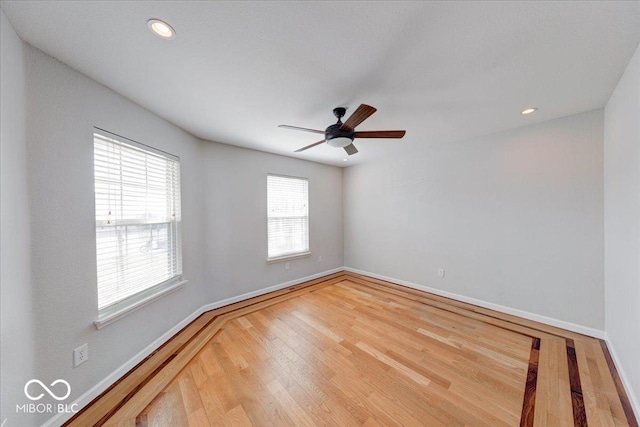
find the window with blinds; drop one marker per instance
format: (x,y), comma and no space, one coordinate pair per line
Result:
(138,242)
(287,216)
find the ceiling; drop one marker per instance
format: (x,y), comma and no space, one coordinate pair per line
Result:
(444,71)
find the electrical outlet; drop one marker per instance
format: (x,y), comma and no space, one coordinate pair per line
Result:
(320,258)
(80,355)
(441,272)
(287,266)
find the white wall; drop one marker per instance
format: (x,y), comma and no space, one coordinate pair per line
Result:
(622,224)
(17,348)
(515,218)
(63,105)
(235,184)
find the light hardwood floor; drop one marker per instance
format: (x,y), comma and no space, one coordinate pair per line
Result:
(352,350)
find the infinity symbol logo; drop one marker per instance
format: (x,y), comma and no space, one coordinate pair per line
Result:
(52,394)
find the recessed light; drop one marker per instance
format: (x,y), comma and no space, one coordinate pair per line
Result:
(161,29)
(345,160)
(528,111)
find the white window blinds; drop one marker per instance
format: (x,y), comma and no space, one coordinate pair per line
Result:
(138,242)
(287,216)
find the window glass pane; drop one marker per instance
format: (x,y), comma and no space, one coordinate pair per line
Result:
(287,215)
(137,194)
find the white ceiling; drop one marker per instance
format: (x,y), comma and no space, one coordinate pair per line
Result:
(443,71)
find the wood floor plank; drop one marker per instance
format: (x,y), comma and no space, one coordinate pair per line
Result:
(237,417)
(577,399)
(553,400)
(295,412)
(529,399)
(198,418)
(592,393)
(622,395)
(614,403)
(189,393)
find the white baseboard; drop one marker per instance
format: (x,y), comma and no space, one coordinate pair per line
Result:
(596,333)
(100,387)
(273,288)
(635,404)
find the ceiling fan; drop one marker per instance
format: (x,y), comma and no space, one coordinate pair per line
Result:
(341,135)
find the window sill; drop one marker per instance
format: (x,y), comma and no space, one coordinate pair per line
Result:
(288,257)
(111,315)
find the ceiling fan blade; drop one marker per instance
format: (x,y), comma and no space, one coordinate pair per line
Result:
(309,146)
(351,149)
(380,134)
(358,116)
(302,129)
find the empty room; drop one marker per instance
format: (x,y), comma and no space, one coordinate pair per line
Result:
(320,213)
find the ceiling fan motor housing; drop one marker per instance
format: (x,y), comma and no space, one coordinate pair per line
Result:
(337,137)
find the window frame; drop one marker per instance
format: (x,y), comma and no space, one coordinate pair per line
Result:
(131,303)
(295,255)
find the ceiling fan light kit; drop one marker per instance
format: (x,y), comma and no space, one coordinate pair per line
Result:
(341,135)
(339,141)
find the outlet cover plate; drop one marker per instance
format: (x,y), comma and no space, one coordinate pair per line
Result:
(80,355)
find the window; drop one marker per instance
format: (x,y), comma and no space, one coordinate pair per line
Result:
(287,216)
(138,243)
